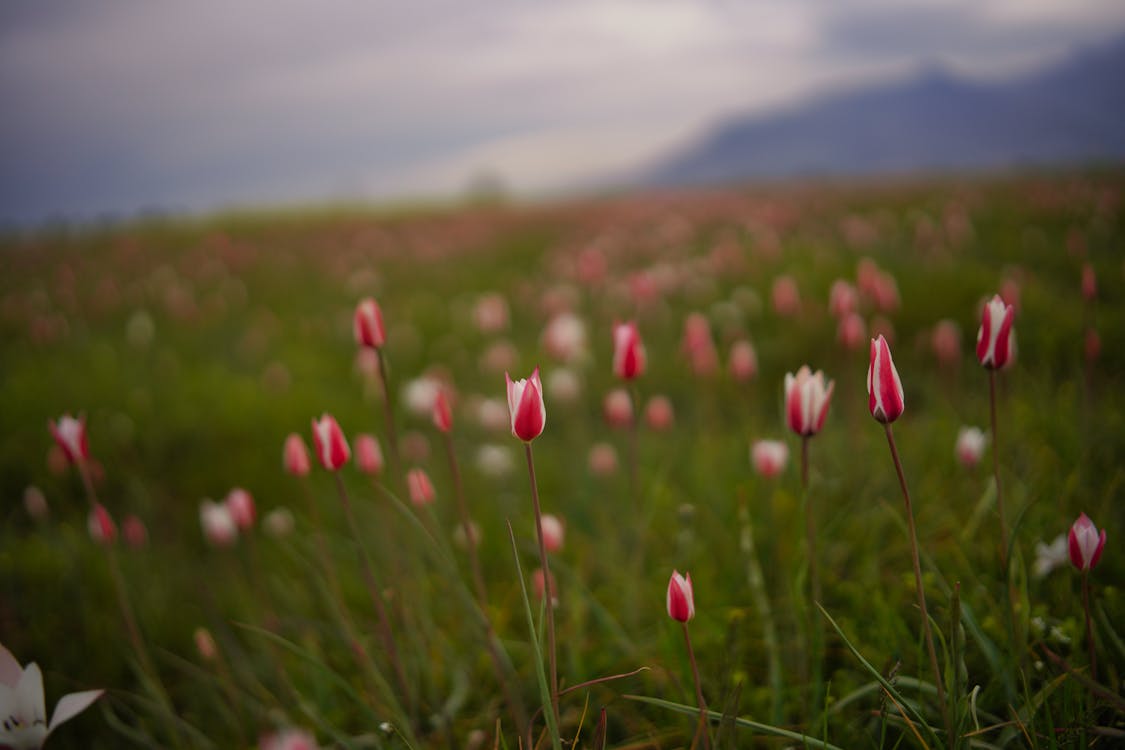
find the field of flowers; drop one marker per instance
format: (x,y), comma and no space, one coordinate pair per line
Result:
(266,482)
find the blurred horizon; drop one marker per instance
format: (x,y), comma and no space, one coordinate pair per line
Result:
(114,110)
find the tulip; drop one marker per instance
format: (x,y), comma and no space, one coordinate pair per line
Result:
(994,337)
(553,532)
(786,298)
(296,456)
(885,398)
(491,313)
(769,457)
(367,325)
(442,413)
(101,526)
(628,351)
(288,739)
(699,345)
(742,362)
(420,486)
(602,459)
(240,504)
(806,400)
(24,709)
(618,408)
(564,338)
(659,414)
(1085,543)
(526,407)
(970,445)
(330,444)
(842,299)
(680,599)
(70,434)
(219,526)
(851,331)
(368,455)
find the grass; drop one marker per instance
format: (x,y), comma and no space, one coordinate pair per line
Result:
(195,347)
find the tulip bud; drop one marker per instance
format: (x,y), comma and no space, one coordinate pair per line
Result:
(134,532)
(602,459)
(885,397)
(843,299)
(769,457)
(70,434)
(368,455)
(659,414)
(806,400)
(296,456)
(101,526)
(420,486)
(367,325)
(553,532)
(443,415)
(618,408)
(219,527)
(205,644)
(994,336)
(786,298)
(851,331)
(330,444)
(970,445)
(526,407)
(1085,543)
(240,503)
(742,363)
(628,351)
(680,599)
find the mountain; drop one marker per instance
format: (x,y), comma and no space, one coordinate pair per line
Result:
(1073,112)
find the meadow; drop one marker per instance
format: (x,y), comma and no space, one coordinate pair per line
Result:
(193,348)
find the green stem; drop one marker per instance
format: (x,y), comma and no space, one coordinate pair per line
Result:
(554,684)
(698,692)
(1089,625)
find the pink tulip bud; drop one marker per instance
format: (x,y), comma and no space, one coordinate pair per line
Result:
(134,532)
(296,456)
(101,526)
(742,364)
(240,503)
(70,435)
(786,298)
(769,457)
(602,459)
(851,331)
(553,532)
(205,644)
(618,408)
(219,527)
(994,336)
(443,414)
(971,442)
(367,325)
(659,414)
(491,313)
(628,351)
(885,398)
(420,487)
(526,407)
(946,343)
(1085,543)
(806,400)
(680,599)
(564,338)
(537,585)
(368,455)
(330,444)
(843,299)
(1089,283)
(699,345)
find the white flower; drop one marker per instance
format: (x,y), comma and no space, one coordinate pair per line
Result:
(1050,556)
(23,711)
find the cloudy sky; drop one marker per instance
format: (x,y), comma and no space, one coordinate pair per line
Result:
(115,106)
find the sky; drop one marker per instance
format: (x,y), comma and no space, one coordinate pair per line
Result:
(113,107)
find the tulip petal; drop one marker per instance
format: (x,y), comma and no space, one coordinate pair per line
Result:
(71,705)
(10,670)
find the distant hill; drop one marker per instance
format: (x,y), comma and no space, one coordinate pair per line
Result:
(1071,112)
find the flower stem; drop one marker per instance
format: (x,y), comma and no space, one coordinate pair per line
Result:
(996,473)
(918,584)
(702,727)
(519,713)
(762,606)
(554,684)
(375,591)
(1089,625)
(816,634)
(389,417)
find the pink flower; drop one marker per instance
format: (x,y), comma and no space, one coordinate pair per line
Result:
(240,503)
(769,457)
(70,434)
(564,338)
(23,707)
(134,532)
(491,313)
(742,363)
(602,459)
(330,444)
(367,325)
(699,345)
(628,351)
(553,532)
(946,343)
(219,527)
(443,414)
(526,407)
(101,526)
(420,487)
(994,336)
(368,455)
(296,456)
(618,408)
(680,599)
(806,400)
(843,299)
(885,398)
(1085,543)
(786,298)
(851,331)
(288,739)
(659,414)
(971,442)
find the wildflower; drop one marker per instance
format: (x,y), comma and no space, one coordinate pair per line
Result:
(994,337)
(70,434)
(806,400)
(101,526)
(769,457)
(1085,543)
(367,324)
(680,599)
(368,455)
(240,504)
(970,445)
(296,456)
(442,413)
(23,709)
(659,413)
(628,351)
(526,407)
(553,532)
(331,445)
(219,526)
(420,486)
(884,388)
